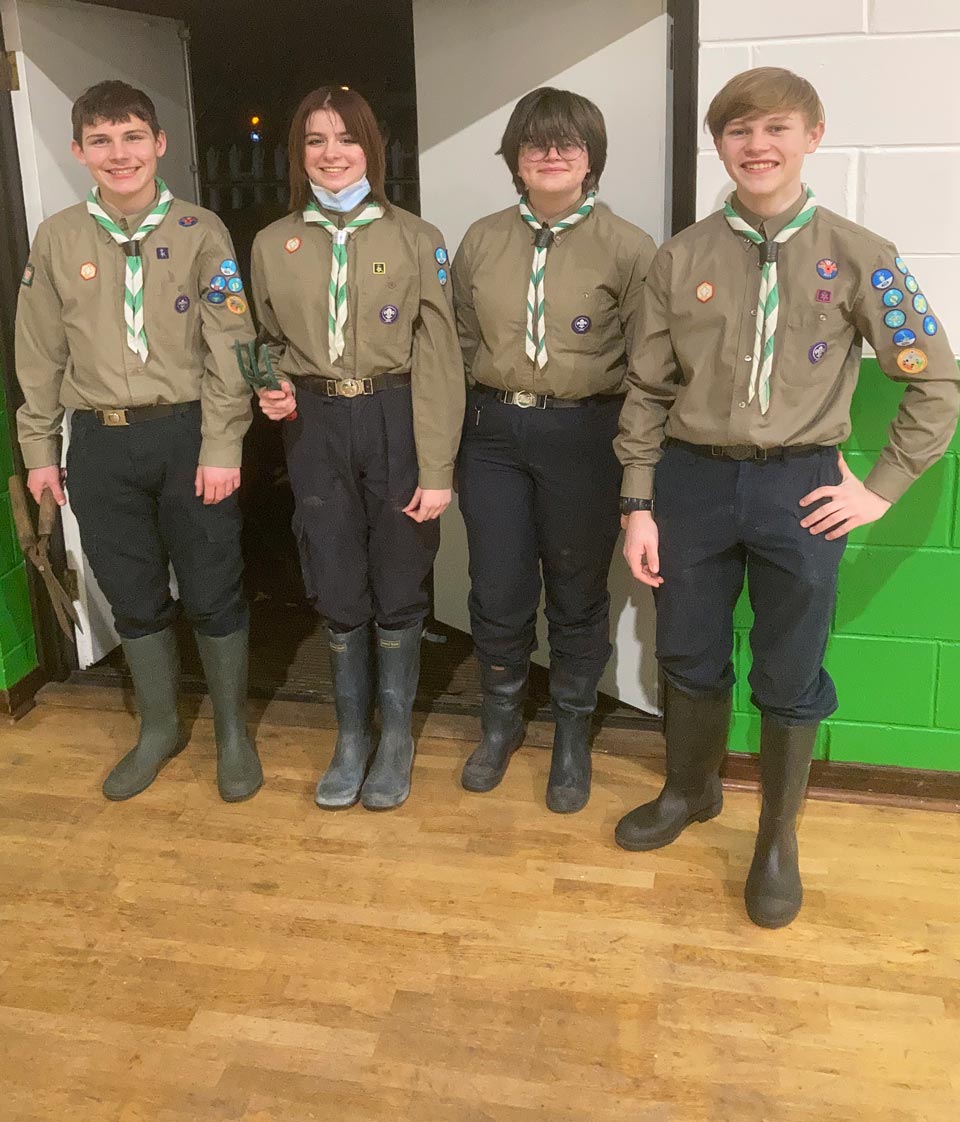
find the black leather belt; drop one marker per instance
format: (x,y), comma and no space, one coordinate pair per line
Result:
(749,451)
(351,387)
(133,415)
(527,399)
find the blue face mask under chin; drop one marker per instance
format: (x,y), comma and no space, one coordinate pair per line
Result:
(343,200)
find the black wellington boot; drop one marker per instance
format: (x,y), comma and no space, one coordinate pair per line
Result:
(573,698)
(773,892)
(696,730)
(351,653)
(501,725)
(398,666)
(224,658)
(154,663)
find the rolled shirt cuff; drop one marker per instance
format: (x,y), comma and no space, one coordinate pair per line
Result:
(637,483)
(436,479)
(887,481)
(41,453)
(220,453)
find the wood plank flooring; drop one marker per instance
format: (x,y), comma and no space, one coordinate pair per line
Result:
(464,959)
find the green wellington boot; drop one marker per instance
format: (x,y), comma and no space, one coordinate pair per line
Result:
(696,730)
(501,725)
(224,658)
(351,657)
(154,663)
(398,664)
(573,698)
(774,893)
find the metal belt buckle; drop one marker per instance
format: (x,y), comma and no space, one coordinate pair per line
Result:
(526,399)
(349,387)
(114,417)
(741,451)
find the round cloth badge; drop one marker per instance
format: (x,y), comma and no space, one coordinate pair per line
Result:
(441,255)
(910,284)
(704,291)
(912,360)
(228,267)
(582,324)
(898,261)
(389,313)
(816,352)
(442,276)
(892,297)
(88,270)
(234,284)
(182,303)
(896,318)
(236,305)
(904,338)
(827,268)
(929,325)
(218,283)
(920,303)
(881,279)
(188,220)
(291,245)
(214,297)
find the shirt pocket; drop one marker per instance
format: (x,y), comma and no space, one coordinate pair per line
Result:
(813,346)
(389,310)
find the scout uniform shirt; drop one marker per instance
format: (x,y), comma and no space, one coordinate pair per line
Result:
(71,338)
(399,317)
(592,288)
(838,283)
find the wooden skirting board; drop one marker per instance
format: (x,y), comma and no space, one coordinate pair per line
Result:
(829,780)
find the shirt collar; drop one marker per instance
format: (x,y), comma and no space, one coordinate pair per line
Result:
(129,223)
(769,227)
(559,218)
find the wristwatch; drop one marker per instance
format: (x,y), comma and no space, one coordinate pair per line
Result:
(628,506)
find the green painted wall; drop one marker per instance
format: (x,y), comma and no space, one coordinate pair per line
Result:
(895,648)
(18,654)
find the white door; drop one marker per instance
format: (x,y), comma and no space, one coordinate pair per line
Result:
(62,47)
(490,54)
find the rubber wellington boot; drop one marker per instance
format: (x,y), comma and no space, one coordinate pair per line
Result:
(501,725)
(154,663)
(224,658)
(774,893)
(350,661)
(696,730)
(398,665)
(573,698)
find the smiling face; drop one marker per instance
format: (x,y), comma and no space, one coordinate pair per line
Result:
(122,158)
(332,159)
(554,173)
(764,157)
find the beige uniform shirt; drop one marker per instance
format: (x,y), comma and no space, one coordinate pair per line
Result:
(399,317)
(838,284)
(71,338)
(592,286)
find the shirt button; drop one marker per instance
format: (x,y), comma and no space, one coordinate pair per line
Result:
(741,405)
(821,316)
(754,312)
(748,358)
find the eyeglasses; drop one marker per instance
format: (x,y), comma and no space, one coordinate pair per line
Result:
(536,152)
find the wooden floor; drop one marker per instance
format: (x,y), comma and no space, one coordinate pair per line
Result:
(464,959)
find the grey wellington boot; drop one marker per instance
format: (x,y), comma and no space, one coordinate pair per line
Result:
(501,725)
(774,893)
(224,658)
(154,663)
(350,661)
(573,698)
(696,730)
(398,664)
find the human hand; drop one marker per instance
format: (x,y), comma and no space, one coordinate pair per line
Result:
(47,479)
(428,504)
(851,505)
(278,404)
(216,484)
(641,547)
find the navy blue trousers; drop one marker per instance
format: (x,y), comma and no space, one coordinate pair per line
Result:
(721,521)
(132,490)
(539,490)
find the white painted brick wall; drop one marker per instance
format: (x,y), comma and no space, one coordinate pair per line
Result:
(887,73)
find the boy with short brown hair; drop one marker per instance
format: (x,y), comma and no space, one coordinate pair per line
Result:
(739,393)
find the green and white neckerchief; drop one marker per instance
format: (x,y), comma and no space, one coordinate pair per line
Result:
(768,304)
(133,273)
(338,266)
(536,343)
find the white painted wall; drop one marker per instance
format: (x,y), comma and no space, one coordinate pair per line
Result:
(886,71)
(474,61)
